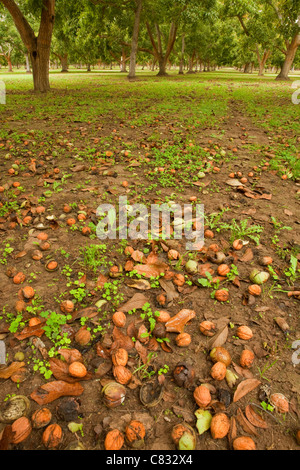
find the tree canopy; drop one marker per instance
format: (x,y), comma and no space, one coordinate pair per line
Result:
(185,33)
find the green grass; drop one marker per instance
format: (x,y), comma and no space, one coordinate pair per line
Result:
(186,103)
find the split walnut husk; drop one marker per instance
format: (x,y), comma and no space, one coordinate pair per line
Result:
(151,393)
(14,408)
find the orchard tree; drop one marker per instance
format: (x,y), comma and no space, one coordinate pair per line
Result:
(257,26)
(163,19)
(10,42)
(132,11)
(65,30)
(286,15)
(37,44)
(138,7)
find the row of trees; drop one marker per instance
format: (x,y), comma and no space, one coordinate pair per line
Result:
(208,33)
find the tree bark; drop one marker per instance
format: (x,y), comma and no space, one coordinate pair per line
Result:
(135,39)
(262,60)
(158,53)
(181,64)
(64,63)
(38,46)
(191,62)
(7,57)
(123,62)
(247,67)
(289,57)
(27,63)
(10,69)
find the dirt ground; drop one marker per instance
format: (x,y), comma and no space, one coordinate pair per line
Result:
(273,366)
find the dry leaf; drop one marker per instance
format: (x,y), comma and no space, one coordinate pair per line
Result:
(235,183)
(140,284)
(121,340)
(254,418)
(70,355)
(103,368)
(20,254)
(88,312)
(166,347)
(187,415)
(177,323)
(169,395)
(60,370)
(138,256)
(283,325)
(245,387)
(51,391)
(232,431)
(142,351)
(6,437)
(242,371)
(38,343)
(151,270)
(8,371)
(247,256)
(136,302)
(134,383)
(153,344)
(170,290)
(268,197)
(36,330)
(219,338)
(101,280)
(246,425)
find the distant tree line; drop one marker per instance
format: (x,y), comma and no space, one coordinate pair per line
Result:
(189,35)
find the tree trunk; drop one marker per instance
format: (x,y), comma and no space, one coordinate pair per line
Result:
(162,67)
(123,62)
(247,67)
(38,47)
(135,38)
(40,68)
(27,63)
(64,63)
(289,58)
(262,61)
(158,53)
(181,64)
(191,63)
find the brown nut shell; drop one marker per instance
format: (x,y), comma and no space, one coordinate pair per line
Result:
(243,443)
(219,426)
(246,358)
(114,440)
(220,354)
(122,374)
(244,332)
(202,396)
(183,340)
(280,402)
(52,436)
(41,418)
(21,429)
(218,371)
(135,433)
(119,357)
